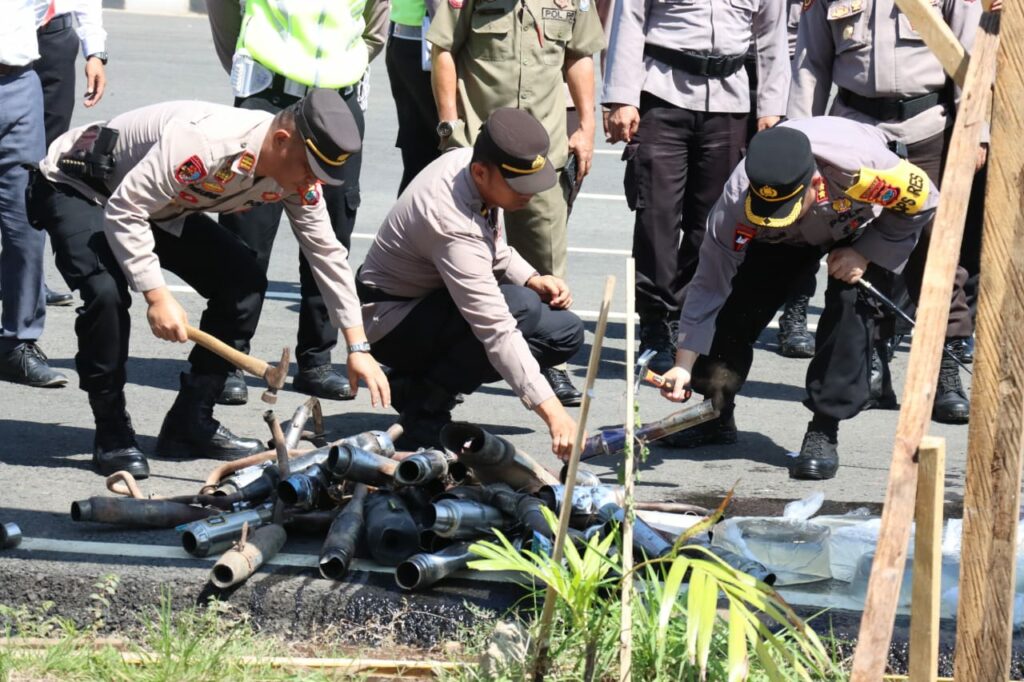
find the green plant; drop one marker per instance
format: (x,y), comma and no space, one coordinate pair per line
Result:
(105,589)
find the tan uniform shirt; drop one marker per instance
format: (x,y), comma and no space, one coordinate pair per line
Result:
(718,27)
(438,235)
(870,48)
(881,212)
(179,158)
(510,53)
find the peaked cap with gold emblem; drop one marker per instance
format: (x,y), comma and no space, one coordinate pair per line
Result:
(780,166)
(517,144)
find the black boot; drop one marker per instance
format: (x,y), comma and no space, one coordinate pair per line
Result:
(323,381)
(963,349)
(235,391)
(951,405)
(819,458)
(559,380)
(425,409)
(656,335)
(114,447)
(189,430)
(794,339)
(718,431)
(880,395)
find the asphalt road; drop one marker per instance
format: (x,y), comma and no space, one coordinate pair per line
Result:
(46,435)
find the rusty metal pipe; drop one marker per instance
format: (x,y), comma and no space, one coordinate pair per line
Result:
(239,563)
(298,422)
(126,511)
(339,546)
(613,441)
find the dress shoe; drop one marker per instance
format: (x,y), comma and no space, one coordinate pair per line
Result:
(564,390)
(322,382)
(26,364)
(951,405)
(189,430)
(794,339)
(718,431)
(58,299)
(818,459)
(656,334)
(235,391)
(114,447)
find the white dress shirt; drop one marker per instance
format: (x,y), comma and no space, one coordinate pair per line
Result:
(18,45)
(89,17)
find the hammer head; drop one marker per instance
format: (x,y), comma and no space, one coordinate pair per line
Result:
(275,376)
(641,366)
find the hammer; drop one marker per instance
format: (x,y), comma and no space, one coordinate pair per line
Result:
(644,374)
(274,376)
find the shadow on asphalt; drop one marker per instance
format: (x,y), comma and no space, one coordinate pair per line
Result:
(22,442)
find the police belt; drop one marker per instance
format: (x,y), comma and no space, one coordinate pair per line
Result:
(290,88)
(696,63)
(890,108)
(371,294)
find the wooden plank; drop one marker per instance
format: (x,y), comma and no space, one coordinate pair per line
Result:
(927,586)
(629,485)
(919,388)
(996,436)
(938,36)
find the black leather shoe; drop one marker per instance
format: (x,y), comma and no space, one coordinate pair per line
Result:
(818,459)
(562,385)
(323,382)
(951,405)
(189,430)
(963,349)
(26,364)
(656,334)
(719,431)
(794,339)
(58,299)
(235,391)
(114,447)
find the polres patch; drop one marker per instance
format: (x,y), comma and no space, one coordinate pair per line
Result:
(311,195)
(190,170)
(741,238)
(903,188)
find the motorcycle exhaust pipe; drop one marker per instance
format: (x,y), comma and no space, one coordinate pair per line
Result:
(135,513)
(10,535)
(304,490)
(218,533)
(462,519)
(587,501)
(239,563)
(423,570)
(339,546)
(391,532)
(349,463)
(493,459)
(422,467)
(613,441)
(647,543)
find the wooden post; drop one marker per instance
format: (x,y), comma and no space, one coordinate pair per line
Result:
(938,36)
(927,586)
(628,468)
(919,389)
(992,496)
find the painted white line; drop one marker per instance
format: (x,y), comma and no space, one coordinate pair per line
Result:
(609,152)
(603,197)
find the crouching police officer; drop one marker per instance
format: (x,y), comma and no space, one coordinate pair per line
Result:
(809,187)
(449,305)
(122,200)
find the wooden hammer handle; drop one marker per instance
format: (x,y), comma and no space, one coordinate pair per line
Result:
(242,361)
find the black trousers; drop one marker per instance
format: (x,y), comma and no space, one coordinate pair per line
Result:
(257,227)
(212,260)
(837,378)
(434,340)
(58,49)
(414,102)
(676,166)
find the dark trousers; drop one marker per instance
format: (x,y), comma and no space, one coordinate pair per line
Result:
(414,103)
(676,166)
(208,257)
(58,49)
(837,378)
(258,228)
(435,341)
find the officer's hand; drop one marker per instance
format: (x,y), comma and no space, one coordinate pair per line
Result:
(605,114)
(166,317)
(95,81)
(846,264)
(363,366)
(561,426)
(979,161)
(552,290)
(677,383)
(765,122)
(582,145)
(622,123)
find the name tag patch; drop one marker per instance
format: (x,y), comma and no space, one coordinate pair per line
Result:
(741,238)
(558,14)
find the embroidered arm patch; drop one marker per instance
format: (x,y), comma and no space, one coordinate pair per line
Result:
(903,188)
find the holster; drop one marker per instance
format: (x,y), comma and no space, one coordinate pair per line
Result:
(91,158)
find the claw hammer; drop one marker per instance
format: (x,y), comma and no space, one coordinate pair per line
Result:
(273,375)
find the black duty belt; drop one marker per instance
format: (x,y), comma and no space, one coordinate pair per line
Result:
(11,70)
(371,294)
(58,23)
(890,108)
(696,63)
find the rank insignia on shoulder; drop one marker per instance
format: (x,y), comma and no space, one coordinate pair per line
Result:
(190,198)
(842,205)
(311,195)
(742,236)
(245,163)
(903,188)
(224,175)
(190,170)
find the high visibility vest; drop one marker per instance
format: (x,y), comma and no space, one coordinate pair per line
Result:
(314,42)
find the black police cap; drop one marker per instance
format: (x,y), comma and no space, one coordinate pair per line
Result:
(516,142)
(329,131)
(780,166)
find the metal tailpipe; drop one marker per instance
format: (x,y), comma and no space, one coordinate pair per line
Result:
(257,483)
(10,535)
(378,442)
(462,519)
(339,546)
(423,570)
(349,463)
(647,543)
(422,467)
(749,566)
(587,501)
(494,459)
(391,532)
(127,511)
(218,533)
(304,490)
(613,441)
(239,563)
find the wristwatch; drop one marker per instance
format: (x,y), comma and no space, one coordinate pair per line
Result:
(446,128)
(361,347)
(102,56)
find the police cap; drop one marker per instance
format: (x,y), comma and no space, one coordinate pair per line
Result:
(329,132)
(516,142)
(780,166)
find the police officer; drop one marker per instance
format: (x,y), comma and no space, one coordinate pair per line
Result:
(118,213)
(449,305)
(678,95)
(806,187)
(517,53)
(271,69)
(887,77)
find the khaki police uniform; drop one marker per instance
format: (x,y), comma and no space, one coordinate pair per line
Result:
(866,198)
(173,163)
(444,297)
(510,53)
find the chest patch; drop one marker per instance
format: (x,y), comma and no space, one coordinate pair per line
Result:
(903,188)
(190,170)
(558,14)
(311,195)
(742,236)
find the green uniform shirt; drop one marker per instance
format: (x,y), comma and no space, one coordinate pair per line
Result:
(408,12)
(510,53)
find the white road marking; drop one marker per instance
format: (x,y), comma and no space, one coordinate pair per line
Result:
(609,152)
(603,197)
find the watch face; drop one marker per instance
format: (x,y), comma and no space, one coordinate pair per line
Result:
(445,129)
